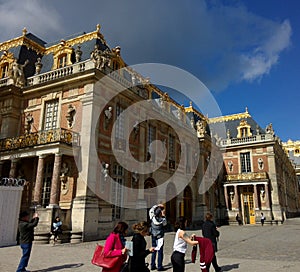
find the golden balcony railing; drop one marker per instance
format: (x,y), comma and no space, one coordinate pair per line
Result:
(247,176)
(59,135)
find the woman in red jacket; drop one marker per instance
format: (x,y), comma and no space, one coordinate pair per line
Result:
(115,246)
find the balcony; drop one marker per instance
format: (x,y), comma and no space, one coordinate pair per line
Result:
(44,137)
(246,140)
(247,176)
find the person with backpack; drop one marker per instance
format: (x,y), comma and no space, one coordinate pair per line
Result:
(158,223)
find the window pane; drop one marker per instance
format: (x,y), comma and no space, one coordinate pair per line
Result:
(51,115)
(245,162)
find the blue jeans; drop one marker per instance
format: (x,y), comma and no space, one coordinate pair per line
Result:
(160,254)
(26,250)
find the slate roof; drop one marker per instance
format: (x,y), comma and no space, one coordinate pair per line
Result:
(232,123)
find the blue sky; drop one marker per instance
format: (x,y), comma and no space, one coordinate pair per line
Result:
(245,52)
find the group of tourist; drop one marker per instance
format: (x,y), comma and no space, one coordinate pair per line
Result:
(116,245)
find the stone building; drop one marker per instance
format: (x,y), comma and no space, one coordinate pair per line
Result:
(65,129)
(260,177)
(292,148)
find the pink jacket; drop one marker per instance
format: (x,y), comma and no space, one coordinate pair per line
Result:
(113,247)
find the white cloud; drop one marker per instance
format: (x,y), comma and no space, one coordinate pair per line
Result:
(220,44)
(37,16)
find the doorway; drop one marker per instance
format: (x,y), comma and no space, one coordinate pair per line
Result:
(248,205)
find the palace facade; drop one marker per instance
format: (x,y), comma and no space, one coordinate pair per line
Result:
(259,175)
(66,131)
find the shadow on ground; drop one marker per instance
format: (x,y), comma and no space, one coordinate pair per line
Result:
(55,268)
(230,267)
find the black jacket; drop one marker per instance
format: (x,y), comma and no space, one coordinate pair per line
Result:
(209,230)
(137,261)
(26,230)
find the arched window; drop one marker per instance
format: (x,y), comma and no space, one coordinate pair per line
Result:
(4,70)
(244,129)
(62,55)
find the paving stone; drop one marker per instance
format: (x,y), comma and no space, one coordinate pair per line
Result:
(241,249)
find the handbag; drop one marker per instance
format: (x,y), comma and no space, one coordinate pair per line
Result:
(100,260)
(125,267)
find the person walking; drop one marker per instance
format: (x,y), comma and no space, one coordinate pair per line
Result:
(209,230)
(137,260)
(158,223)
(57,224)
(238,219)
(262,219)
(115,246)
(180,245)
(26,231)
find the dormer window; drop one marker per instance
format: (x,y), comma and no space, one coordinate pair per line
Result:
(62,56)
(62,61)
(4,70)
(244,129)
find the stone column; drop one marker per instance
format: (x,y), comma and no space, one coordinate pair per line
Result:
(55,182)
(256,197)
(13,168)
(226,197)
(39,180)
(236,197)
(267,200)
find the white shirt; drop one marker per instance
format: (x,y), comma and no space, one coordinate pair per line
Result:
(179,244)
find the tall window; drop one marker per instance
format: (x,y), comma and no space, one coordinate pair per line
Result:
(151,138)
(245,162)
(46,189)
(117,191)
(171,152)
(188,158)
(120,142)
(4,70)
(120,130)
(51,115)
(244,132)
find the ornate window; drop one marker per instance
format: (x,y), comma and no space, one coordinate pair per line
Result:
(51,114)
(4,70)
(5,62)
(117,191)
(245,162)
(62,61)
(62,55)
(244,129)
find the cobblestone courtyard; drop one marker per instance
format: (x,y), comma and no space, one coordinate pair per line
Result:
(241,248)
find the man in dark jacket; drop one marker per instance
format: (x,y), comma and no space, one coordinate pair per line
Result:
(209,230)
(26,230)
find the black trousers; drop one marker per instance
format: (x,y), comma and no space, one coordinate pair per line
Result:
(177,260)
(214,263)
